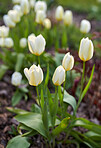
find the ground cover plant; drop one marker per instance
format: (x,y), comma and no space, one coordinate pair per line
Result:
(59,61)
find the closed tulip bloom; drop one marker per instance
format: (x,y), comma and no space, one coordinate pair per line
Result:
(47,23)
(86,49)
(4,31)
(9,42)
(14,15)
(8,22)
(25,6)
(36,44)
(34,75)
(40,16)
(58,76)
(23,42)
(16,78)
(40,5)
(68,17)
(85,26)
(18,9)
(16,1)
(2,42)
(59,14)
(68,62)
(32,3)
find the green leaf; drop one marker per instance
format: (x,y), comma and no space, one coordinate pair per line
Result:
(16,110)
(42,98)
(32,120)
(93,136)
(18,142)
(16,98)
(47,76)
(70,100)
(19,63)
(3,69)
(35,108)
(24,89)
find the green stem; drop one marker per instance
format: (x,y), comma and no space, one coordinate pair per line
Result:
(39,60)
(82,83)
(37,90)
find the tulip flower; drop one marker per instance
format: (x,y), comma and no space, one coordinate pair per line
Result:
(4,31)
(40,5)
(68,17)
(14,15)
(59,76)
(47,23)
(9,42)
(40,16)
(23,42)
(8,22)
(2,42)
(16,1)
(86,49)
(34,75)
(16,78)
(32,3)
(68,62)
(36,44)
(18,9)
(85,26)
(25,6)
(59,14)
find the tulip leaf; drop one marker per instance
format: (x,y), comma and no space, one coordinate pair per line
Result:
(3,69)
(18,142)
(32,120)
(19,63)
(70,100)
(16,110)
(16,98)
(94,136)
(47,76)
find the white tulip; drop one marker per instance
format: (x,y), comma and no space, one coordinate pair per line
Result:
(34,75)
(18,9)
(23,42)
(86,49)
(68,62)
(16,1)
(9,42)
(40,5)
(2,42)
(47,23)
(32,3)
(8,22)
(16,78)
(59,14)
(58,76)
(4,31)
(40,16)
(14,15)
(25,6)
(68,17)
(85,26)
(36,44)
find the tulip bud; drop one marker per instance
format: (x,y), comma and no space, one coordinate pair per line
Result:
(8,22)
(59,76)
(68,17)
(40,5)
(2,42)
(59,14)
(34,75)
(4,31)
(16,78)
(32,3)
(86,49)
(47,23)
(18,9)
(14,15)
(16,1)
(40,16)
(9,42)
(25,6)
(23,42)
(85,26)
(36,44)
(68,62)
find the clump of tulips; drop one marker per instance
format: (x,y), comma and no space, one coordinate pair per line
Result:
(49,117)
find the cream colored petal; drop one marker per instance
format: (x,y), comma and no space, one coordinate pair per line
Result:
(26,72)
